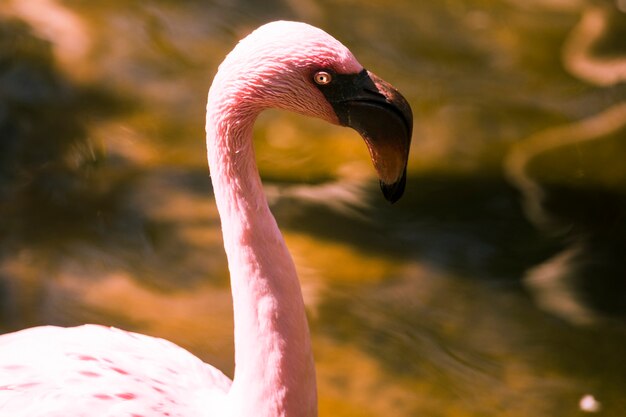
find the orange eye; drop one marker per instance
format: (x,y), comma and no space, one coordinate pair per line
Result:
(322,77)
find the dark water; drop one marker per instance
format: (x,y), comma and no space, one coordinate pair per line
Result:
(496,287)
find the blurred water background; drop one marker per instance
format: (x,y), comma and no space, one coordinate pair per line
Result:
(496,287)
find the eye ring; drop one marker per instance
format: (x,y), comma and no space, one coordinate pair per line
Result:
(322,78)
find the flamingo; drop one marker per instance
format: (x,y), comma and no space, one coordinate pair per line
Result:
(93,370)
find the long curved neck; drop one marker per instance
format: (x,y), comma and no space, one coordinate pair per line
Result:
(274,370)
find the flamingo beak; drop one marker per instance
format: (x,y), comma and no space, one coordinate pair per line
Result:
(384,119)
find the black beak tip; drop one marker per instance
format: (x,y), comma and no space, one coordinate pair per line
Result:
(394,191)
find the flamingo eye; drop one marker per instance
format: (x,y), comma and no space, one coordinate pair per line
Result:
(322,78)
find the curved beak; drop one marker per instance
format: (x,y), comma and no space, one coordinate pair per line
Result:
(383,117)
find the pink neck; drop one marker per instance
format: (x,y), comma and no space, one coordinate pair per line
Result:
(274,370)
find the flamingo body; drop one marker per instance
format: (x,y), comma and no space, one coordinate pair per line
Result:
(103,372)
(95,370)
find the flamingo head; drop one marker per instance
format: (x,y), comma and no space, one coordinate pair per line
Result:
(301,68)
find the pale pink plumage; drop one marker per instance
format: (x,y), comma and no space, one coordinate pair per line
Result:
(97,371)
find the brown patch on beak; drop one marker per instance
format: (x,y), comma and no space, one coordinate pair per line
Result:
(383,117)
